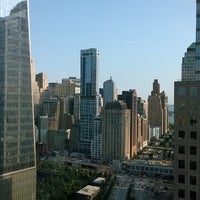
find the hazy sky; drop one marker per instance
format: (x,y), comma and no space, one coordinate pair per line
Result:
(139,40)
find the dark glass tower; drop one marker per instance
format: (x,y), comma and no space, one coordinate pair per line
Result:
(187,123)
(89,105)
(17,149)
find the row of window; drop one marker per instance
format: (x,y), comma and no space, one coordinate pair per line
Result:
(183,92)
(193,134)
(181,164)
(193,150)
(181,179)
(181,194)
(182,120)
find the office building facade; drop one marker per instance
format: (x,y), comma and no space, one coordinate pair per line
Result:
(130,98)
(187,140)
(41,79)
(89,96)
(115,132)
(17,143)
(158,109)
(187,125)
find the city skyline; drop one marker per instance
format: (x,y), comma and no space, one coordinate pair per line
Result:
(132,37)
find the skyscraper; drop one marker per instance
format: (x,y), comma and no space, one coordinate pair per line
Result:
(89,105)
(158,109)
(130,98)
(17,147)
(116,131)
(41,79)
(109,91)
(197,59)
(187,125)
(188,64)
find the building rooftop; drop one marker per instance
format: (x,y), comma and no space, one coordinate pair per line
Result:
(152,162)
(115,106)
(99,180)
(89,190)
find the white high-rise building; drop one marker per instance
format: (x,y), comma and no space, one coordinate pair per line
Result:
(109,91)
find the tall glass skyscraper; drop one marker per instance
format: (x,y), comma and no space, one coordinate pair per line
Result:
(188,64)
(89,105)
(17,149)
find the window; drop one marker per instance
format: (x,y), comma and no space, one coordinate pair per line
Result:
(181,193)
(193,134)
(193,165)
(193,91)
(193,180)
(193,195)
(181,91)
(151,169)
(181,120)
(181,178)
(181,134)
(193,120)
(193,150)
(181,164)
(181,149)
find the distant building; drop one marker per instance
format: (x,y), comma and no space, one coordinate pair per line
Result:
(76,108)
(150,167)
(89,99)
(57,140)
(41,79)
(35,86)
(109,91)
(130,98)
(96,143)
(142,124)
(67,87)
(43,129)
(73,142)
(51,108)
(158,109)
(115,132)
(71,80)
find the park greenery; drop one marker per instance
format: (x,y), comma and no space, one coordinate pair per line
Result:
(56,181)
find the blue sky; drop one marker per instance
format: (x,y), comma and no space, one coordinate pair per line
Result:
(139,40)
